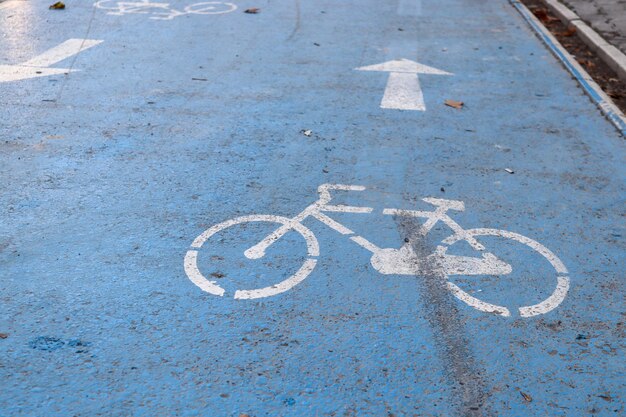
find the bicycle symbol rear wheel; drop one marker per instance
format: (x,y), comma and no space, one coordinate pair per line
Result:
(195,275)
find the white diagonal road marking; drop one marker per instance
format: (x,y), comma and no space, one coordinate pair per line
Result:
(39,65)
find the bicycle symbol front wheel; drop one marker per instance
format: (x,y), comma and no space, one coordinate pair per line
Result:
(560,280)
(198,278)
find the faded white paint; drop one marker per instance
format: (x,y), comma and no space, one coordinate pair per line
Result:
(39,65)
(549,303)
(561,284)
(11,4)
(402,261)
(403,91)
(63,51)
(476,303)
(212,287)
(163,11)
(404,65)
(283,286)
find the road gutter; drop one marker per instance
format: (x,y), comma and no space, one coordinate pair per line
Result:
(612,56)
(593,90)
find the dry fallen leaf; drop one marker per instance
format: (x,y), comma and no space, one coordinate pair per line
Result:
(571,31)
(454,103)
(587,63)
(252,10)
(542,14)
(59,5)
(527,397)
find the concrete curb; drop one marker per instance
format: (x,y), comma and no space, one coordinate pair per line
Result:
(612,56)
(593,90)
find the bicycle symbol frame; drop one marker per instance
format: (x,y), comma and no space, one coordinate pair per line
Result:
(403,261)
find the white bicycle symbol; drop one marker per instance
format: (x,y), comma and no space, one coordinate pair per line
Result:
(163,11)
(401,261)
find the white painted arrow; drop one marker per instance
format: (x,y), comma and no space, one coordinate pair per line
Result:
(403,91)
(39,65)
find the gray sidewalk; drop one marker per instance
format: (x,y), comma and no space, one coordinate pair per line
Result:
(607,17)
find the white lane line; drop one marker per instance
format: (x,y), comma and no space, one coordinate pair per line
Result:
(21,72)
(39,65)
(60,52)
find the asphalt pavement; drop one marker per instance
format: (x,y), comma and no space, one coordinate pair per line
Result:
(320,208)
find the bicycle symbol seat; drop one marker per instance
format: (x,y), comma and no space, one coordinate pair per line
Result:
(387,261)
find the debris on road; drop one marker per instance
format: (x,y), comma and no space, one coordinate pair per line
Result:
(307,132)
(46,343)
(587,63)
(3,335)
(543,15)
(571,31)
(252,10)
(509,170)
(454,103)
(526,397)
(59,5)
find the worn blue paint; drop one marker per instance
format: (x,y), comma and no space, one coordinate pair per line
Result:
(104,190)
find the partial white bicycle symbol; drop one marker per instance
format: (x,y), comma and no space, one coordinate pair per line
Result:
(163,11)
(403,261)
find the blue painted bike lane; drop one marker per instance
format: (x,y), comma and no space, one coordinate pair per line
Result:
(119,180)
